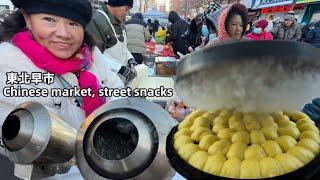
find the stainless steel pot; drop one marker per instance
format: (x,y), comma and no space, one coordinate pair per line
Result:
(125,139)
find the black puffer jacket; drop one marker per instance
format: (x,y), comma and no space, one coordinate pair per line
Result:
(193,37)
(155,26)
(178,28)
(313,36)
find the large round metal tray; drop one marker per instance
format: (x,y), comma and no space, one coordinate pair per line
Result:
(309,171)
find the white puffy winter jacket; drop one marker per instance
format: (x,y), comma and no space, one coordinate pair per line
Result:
(12,59)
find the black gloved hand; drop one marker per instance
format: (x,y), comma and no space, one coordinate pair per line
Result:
(132,63)
(127,73)
(313,109)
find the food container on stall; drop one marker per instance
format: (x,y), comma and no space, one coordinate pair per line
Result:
(150,61)
(165,66)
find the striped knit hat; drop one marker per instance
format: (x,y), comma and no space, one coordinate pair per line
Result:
(211,8)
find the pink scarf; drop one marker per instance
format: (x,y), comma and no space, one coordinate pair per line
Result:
(45,60)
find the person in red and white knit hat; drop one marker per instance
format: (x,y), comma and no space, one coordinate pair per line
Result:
(231,22)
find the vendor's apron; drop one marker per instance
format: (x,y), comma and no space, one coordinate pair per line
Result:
(119,50)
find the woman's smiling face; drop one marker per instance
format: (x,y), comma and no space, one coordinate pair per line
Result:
(61,36)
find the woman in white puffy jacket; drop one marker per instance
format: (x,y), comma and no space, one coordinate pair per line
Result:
(49,37)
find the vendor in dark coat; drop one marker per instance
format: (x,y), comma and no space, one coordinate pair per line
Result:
(177,28)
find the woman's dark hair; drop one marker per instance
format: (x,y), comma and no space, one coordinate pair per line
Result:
(241,10)
(211,26)
(15,23)
(11,25)
(193,26)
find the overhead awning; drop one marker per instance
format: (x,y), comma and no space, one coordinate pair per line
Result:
(306,1)
(155,13)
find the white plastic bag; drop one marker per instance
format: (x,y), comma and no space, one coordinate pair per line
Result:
(159,48)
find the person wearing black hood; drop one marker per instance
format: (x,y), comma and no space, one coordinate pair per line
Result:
(137,35)
(194,34)
(155,26)
(149,25)
(313,36)
(178,28)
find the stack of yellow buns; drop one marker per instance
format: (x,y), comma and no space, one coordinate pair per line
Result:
(239,145)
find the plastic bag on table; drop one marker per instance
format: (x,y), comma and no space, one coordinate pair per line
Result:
(159,48)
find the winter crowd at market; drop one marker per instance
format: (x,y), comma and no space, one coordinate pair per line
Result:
(213,25)
(84,47)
